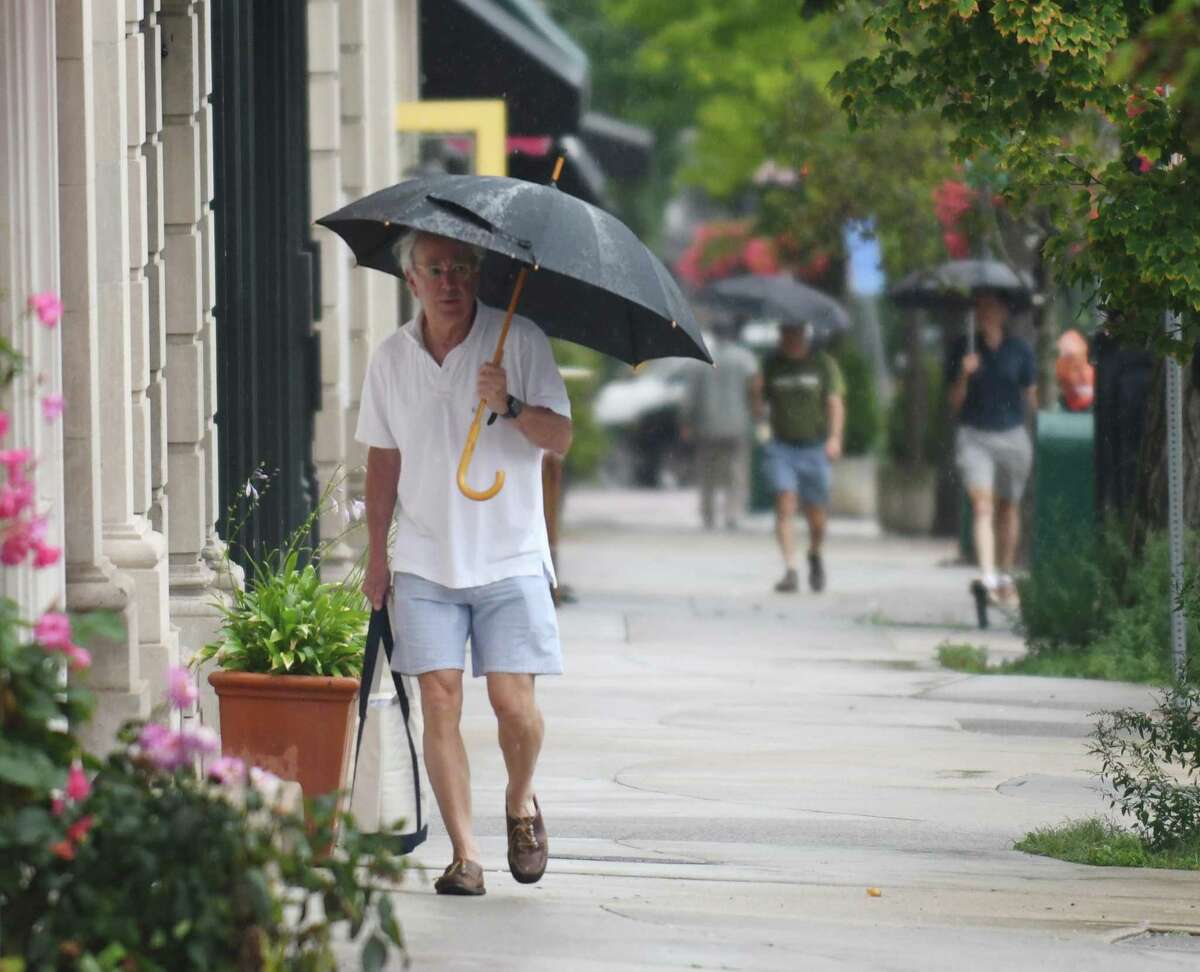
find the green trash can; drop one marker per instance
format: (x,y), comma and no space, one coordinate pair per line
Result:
(1064,501)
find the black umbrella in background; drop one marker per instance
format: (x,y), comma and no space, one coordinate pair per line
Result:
(577,271)
(781,298)
(953,286)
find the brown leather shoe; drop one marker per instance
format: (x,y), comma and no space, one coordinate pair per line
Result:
(461,877)
(528,846)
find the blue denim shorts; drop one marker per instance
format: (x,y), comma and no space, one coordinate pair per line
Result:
(511,625)
(804,470)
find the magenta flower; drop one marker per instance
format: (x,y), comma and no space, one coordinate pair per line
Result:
(227,770)
(53,630)
(16,460)
(16,546)
(15,498)
(80,658)
(181,690)
(52,407)
(78,786)
(45,554)
(4,424)
(48,308)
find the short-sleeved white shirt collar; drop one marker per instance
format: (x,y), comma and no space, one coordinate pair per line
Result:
(411,403)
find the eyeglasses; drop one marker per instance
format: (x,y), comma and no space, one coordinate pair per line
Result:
(454,271)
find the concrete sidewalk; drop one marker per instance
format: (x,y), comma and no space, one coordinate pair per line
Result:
(727,770)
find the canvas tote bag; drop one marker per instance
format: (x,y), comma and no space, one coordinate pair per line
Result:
(386,786)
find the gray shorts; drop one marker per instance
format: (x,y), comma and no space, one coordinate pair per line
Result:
(996,461)
(511,625)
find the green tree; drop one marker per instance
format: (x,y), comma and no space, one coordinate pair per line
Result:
(1051,92)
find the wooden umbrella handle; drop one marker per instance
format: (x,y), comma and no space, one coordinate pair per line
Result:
(473,435)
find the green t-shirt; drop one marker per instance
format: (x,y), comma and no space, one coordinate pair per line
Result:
(798,391)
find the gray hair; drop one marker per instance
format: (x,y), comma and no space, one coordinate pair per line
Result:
(403,249)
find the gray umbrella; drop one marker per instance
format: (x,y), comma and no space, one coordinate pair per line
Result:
(952,285)
(781,298)
(595,284)
(577,271)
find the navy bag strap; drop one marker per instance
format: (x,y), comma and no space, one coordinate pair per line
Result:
(379,632)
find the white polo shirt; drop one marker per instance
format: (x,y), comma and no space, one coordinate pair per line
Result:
(411,404)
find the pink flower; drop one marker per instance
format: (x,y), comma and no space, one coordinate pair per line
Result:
(52,407)
(57,806)
(78,830)
(15,547)
(53,630)
(181,690)
(4,424)
(78,787)
(16,460)
(15,498)
(227,770)
(161,746)
(201,741)
(80,658)
(45,554)
(1144,164)
(48,307)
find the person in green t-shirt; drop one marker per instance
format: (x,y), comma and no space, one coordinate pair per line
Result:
(802,389)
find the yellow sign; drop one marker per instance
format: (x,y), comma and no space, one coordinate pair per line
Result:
(485,121)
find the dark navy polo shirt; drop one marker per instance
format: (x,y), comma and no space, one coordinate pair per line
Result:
(995,399)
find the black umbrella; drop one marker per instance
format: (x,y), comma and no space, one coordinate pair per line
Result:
(952,285)
(577,271)
(781,298)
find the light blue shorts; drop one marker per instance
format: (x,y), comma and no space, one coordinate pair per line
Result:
(804,470)
(511,625)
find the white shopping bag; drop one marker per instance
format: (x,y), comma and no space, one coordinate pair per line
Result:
(387,785)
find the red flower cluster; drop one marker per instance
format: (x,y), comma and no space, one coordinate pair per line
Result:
(952,200)
(724,249)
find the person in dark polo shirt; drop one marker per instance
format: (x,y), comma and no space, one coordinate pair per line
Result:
(993,391)
(802,388)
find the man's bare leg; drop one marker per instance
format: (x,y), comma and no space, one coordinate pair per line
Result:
(521,730)
(817,516)
(446,756)
(1008,535)
(785,531)
(982,511)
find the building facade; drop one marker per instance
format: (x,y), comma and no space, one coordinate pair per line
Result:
(120,191)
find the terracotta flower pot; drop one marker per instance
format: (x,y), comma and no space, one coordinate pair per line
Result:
(298,727)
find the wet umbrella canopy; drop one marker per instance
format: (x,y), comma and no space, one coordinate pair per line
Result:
(578,272)
(780,298)
(592,281)
(953,284)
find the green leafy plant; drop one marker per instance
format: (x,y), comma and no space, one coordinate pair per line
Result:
(963,658)
(1151,760)
(864,418)
(1103,843)
(286,620)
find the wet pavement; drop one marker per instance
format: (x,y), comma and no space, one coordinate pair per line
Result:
(727,771)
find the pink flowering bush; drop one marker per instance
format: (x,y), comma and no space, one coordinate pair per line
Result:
(136,861)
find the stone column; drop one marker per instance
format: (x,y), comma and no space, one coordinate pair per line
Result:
(379,67)
(129,540)
(29,263)
(330,98)
(92,581)
(187,177)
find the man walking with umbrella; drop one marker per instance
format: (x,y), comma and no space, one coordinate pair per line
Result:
(992,388)
(803,390)
(462,569)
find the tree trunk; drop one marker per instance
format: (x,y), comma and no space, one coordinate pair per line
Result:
(1150,499)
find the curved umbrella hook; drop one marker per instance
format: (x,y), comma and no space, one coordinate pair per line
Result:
(464,463)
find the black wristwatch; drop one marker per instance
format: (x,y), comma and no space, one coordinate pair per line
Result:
(514,407)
